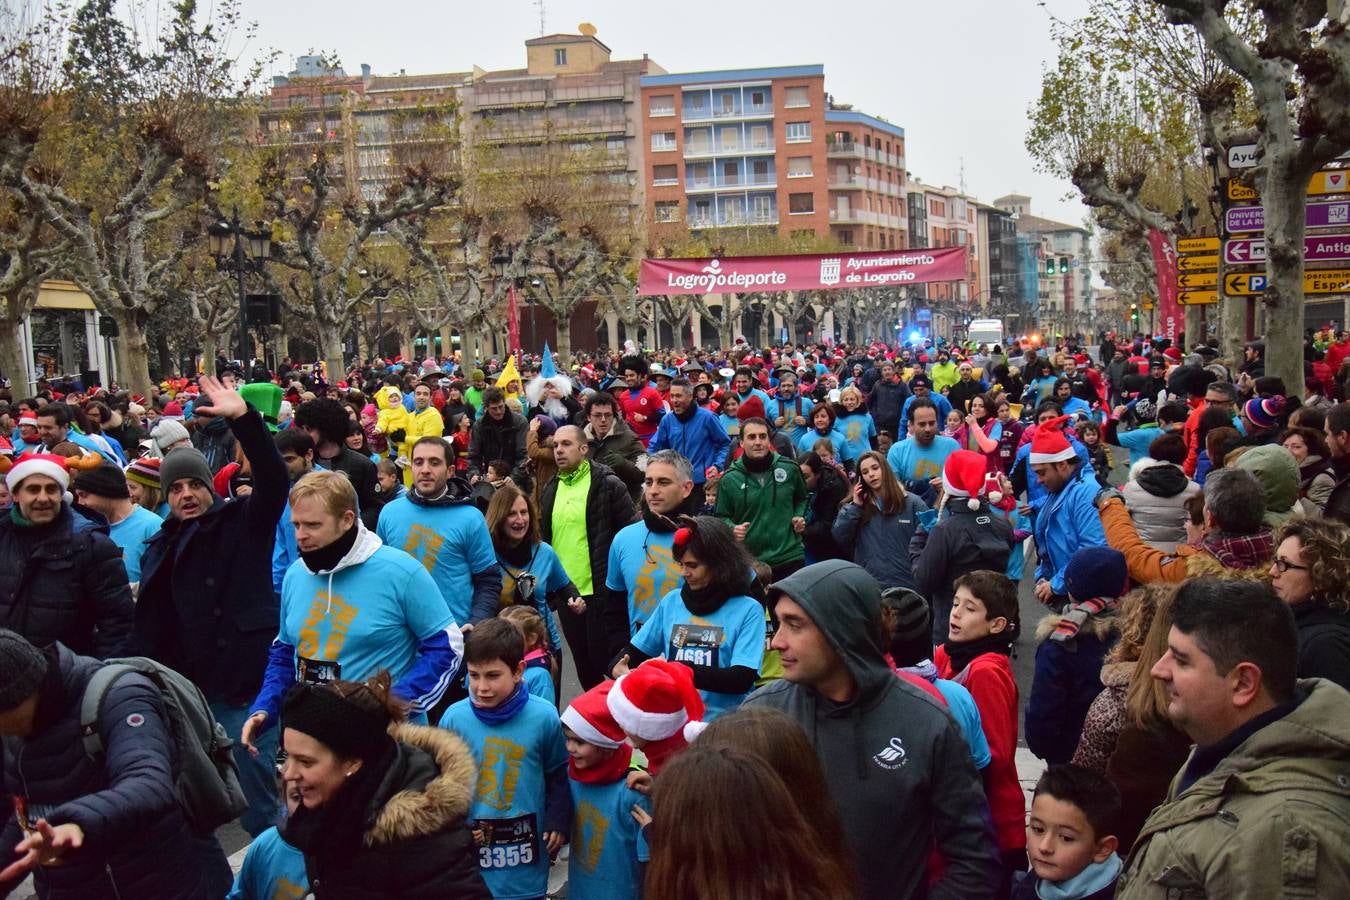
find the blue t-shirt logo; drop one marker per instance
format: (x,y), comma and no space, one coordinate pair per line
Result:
(330,612)
(499,773)
(659,562)
(588,835)
(423,544)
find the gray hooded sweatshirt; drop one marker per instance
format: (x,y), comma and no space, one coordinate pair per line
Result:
(896,764)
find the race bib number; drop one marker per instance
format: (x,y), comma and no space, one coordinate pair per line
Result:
(317,671)
(696,644)
(506,843)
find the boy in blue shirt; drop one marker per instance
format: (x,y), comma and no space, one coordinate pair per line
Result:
(521,808)
(272,868)
(607,843)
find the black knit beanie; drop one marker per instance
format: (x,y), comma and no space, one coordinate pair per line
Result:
(22,668)
(107,480)
(349,730)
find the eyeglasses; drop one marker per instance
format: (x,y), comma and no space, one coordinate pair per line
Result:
(1283,565)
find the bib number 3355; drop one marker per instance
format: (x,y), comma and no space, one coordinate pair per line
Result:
(507,842)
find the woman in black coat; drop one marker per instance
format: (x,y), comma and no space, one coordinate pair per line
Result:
(382,803)
(1311,573)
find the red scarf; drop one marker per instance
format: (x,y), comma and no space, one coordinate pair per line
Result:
(615,768)
(659,753)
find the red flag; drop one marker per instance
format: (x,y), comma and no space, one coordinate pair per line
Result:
(512,321)
(1165,263)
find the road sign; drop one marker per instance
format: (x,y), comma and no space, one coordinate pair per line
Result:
(1244,284)
(1330,181)
(1197,298)
(1242,219)
(1198,263)
(1246,250)
(1236,190)
(1190,281)
(1242,156)
(1198,245)
(1326,281)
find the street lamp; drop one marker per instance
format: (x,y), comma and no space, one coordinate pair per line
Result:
(250,252)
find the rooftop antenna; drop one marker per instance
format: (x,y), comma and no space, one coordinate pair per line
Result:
(540,4)
(963,176)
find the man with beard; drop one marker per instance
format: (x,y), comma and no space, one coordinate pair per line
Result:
(789,411)
(550,394)
(499,433)
(642,566)
(695,434)
(763,498)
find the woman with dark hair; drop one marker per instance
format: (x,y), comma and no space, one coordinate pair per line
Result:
(532,574)
(827,488)
(710,624)
(1315,474)
(382,803)
(731,794)
(1311,573)
(356,440)
(879,523)
(1042,385)
(822,427)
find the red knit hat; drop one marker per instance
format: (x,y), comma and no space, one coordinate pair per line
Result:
(1173,354)
(590,719)
(963,476)
(751,408)
(1049,445)
(656,701)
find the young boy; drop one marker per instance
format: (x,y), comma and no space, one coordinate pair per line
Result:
(521,806)
(607,844)
(980,635)
(658,708)
(1071,837)
(389,480)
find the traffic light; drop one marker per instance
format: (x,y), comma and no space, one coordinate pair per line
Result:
(1050,267)
(1134,312)
(1064,265)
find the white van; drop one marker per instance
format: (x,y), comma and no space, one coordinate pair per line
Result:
(985,331)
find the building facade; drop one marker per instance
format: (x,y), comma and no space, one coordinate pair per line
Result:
(1062,268)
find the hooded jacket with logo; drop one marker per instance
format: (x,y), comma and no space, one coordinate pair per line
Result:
(896,764)
(768,501)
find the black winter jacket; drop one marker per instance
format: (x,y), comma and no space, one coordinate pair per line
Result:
(822,509)
(206,607)
(1323,643)
(65,582)
(415,842)
(885,400)
(493,439)
(964,540)
(136,841)
(361,472)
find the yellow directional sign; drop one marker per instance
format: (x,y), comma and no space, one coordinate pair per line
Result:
(1198,263)
(1198,245)
(1244,284)
(1196,298)
(1327,181)
(1327,281)
(1240,192)
(1189,281)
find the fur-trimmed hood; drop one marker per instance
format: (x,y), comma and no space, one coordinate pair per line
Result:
(1099,626)
(438,777)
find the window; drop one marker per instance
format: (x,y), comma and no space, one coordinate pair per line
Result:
(796,97)
(799,167)
(728,104)
(760,169)
(759,137)
(845,236)
(663,105)
(663,140)
(668,211)
(560,56)
(700,175)
(665,175)
(757,98)
(614,145)
(731,173)
(761,208)
(731,138)
(799,204)
(798,132)
(696,141)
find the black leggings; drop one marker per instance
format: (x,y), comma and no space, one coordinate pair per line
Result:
(585,642)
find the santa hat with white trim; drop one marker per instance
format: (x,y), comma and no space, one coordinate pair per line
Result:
(50,464)
(1049,445)
(590,719)
(963,476)
(656,701)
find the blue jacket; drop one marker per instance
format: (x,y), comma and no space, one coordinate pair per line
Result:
(206,606)
(1067,680)
(1066,522)
(1035,492)
(702,440)
(136,841)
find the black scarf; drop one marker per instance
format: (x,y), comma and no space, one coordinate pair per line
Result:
(962,653)
(337,827)
(757,465)
(326,558)
(708,600)
(519,555)
(659,524)
(456,490)
(688,415)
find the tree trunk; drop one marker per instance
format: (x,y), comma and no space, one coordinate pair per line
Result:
(166,363)
(208,350)
(1284,202)
(135,350)
(1195,325)
(330,350)
(564,326)
(13,365)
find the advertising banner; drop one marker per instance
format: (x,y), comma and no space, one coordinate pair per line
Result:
(1165,262)
(807,272)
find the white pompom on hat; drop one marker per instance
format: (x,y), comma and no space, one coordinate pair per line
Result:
(656,701)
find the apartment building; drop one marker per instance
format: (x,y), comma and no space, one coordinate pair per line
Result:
(866,159)
(945,217)
(1063,271)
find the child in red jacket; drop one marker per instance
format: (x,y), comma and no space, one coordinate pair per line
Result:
(980,635)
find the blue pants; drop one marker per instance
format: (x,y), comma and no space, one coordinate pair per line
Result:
(257,774)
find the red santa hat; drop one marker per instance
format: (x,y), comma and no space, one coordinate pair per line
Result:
(963,476)
(52,465)
(656,701)
(1173,354)
(1049,445)
(590,719)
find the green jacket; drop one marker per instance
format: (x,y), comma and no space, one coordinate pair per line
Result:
(1271,821)
(768,506)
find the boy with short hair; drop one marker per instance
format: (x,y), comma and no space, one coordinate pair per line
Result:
(980,634)
(1071,837)
(607,846)
(521,807)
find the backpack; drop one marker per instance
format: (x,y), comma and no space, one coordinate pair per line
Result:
(206,778)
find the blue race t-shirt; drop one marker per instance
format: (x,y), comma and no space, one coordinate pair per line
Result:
(539,682)
(272,870)
(533,582)
(967,715)
(131,534)
(808,440)
(642,565)
(451,542)
(910,462)
(367,617)
(859,430)
(513,758)
(733,635)
(603,861)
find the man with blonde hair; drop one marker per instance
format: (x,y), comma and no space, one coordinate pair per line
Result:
(351,607)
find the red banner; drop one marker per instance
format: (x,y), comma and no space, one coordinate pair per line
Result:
(807,272)
(512,321)
(1165,263)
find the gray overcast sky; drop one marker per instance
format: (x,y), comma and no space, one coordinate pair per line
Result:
(958,75)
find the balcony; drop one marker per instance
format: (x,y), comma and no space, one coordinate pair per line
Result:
(733,219)
(731,182)
(844,149)
(725,114)
(722,148)
(847,183)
